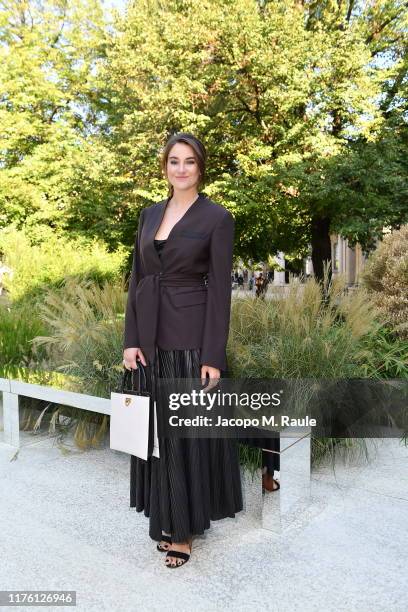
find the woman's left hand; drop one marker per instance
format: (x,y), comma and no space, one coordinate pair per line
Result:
(212,373)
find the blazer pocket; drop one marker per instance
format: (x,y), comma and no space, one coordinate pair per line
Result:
(189,298)
(194,235)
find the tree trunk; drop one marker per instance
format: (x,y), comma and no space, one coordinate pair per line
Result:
(321,246)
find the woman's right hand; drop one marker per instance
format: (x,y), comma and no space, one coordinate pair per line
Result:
(130,357)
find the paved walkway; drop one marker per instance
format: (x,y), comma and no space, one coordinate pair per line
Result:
(66,524)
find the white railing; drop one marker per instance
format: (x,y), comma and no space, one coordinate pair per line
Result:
(12,389)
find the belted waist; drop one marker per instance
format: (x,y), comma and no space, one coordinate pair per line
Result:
(148,301)
(172,279)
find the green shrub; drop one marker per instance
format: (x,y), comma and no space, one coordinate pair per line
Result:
(302,336)
(18,326)
(85,333)
(384,354)
(46,264)
(386,277)
(299,335)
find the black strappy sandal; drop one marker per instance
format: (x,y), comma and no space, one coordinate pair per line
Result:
(167,539)
(180,555)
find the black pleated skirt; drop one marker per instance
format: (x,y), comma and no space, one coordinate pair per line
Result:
(195,480)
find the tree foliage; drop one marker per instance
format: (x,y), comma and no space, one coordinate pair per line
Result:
(302,106)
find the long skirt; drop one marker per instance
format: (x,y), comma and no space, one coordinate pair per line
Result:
(195,480)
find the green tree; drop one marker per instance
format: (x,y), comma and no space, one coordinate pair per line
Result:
(49,52)
(293,100)
(302,106)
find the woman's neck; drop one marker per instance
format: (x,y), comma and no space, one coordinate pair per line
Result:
(183,198)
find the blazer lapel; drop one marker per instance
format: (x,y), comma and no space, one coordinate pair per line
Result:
(155,222)
(152,231)
(158,218)
(187,216)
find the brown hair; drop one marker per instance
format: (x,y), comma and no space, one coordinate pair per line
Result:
(198,147)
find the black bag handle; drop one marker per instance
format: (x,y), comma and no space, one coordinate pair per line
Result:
(128,379)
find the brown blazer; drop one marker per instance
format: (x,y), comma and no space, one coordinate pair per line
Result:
(183,300)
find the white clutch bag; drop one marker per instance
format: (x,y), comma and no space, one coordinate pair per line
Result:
(130,419)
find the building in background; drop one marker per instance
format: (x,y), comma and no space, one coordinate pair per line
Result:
(346,259)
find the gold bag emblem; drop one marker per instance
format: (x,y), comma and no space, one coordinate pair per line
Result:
(127,401)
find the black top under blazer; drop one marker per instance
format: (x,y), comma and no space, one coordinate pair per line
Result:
(183,300)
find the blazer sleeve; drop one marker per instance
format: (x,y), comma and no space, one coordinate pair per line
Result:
(131,335)
(217,315)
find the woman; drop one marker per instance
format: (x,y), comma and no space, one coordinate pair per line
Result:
(177,321)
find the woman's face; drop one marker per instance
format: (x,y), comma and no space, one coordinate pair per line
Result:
(182,168)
